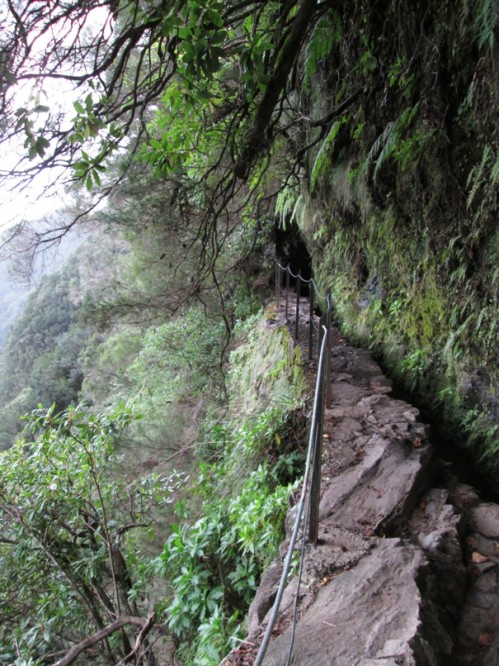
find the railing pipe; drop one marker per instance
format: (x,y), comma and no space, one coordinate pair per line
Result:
(287,293)
(322,325)
(294,535)
(328,397)
(315,484)
(322,398)
(311,324)
(297,309)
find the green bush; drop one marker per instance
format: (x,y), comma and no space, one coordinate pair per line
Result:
(214,565)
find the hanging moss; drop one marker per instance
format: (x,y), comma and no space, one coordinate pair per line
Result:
(400,216)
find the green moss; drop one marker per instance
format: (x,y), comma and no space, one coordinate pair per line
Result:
(423,304)
(401,221)
(266,368)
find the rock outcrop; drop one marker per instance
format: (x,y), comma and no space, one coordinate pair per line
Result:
(405,571)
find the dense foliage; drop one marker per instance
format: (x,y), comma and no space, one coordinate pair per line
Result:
(70,551)
(82,522)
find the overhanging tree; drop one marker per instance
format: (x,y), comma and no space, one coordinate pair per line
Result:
(209,92)
(202,91)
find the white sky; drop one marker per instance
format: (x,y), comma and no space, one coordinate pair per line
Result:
(31,203)
(28,205)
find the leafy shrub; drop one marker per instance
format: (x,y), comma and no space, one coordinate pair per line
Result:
(214,565)
(72,535)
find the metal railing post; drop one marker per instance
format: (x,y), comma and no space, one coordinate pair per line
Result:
(311,323)
(287,292)
(277,282)
(328,397)
(298,284)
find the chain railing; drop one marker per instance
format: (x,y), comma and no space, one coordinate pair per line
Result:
(307,511)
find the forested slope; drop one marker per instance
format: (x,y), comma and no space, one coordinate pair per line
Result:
(41,360)
(157,459)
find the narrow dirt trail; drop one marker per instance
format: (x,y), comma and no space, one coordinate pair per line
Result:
(406,569)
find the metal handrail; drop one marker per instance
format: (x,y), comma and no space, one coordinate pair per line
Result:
(299,513)
(322,397)
(287,271)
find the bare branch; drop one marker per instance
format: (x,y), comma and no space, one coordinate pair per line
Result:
(88,642)
(148,625)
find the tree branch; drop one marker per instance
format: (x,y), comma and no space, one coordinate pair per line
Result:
(336,111)
(257,136)
(149,623)
(104,633)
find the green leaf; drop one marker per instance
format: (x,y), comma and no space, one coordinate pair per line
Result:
(40,145)
(89,103)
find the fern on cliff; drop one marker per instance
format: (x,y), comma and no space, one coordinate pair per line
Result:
(483,176)
(285,203)
(485,22)
(323,158)
(326,34)
(389,141)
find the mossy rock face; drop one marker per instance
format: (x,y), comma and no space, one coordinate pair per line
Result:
(400,211)
(266,369)
(265,422)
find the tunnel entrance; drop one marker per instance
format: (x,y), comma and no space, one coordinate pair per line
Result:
(291,251)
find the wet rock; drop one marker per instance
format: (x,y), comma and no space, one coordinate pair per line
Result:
(338,550)
(461,495)
(479,626)
(393,579)
(265,595)
(485,520)
(370,613)
(381,490)
(435,524)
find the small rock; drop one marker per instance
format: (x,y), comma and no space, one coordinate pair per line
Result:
(463,495)
(485,519)
(431,541)
(472,542)
(483,567)
(478,558)
(485,640)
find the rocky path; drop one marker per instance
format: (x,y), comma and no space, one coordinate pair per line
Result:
(406,569)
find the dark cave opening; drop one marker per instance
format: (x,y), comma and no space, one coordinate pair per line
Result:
(291,251)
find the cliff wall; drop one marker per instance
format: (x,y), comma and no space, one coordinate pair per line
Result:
(398,203)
